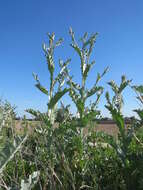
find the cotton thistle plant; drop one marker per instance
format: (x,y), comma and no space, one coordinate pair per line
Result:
(6,122)
(6,113)
(53,97)
(115,104)
(139,123)
(139,93)
(78,92)
(125,134)
(31,181)
(9,144)
(117,99)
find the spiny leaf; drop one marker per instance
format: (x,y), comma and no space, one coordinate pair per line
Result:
(118,118)
(94,90)
(74,95)
(78,50)
(42,89)
(62,74)
(64,64)
(99,76)
(138,89)
(51,39)
(73,84)
(123,79)
(33,112)
(91,40)
(57,97)
(124,83)
(87,69)
(35,77)
(108,98)
(58,43)
(72,35)
(50,63)
(105,71)
(113,86)
(83,39)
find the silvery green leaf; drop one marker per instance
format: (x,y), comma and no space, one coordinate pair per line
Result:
(138,88)
(44,47)
(118,118)
(98,77)
(124,83)
(91,40)
(84,67)
(75,85)
(78,50)
(72,35)
(42,89)
(31,182)
(35,77)
(58,43)
(113,86)
(105,71)
(87,69)
(51,39)
(139,92)
(57,97)
(94,90)
(63,65)
(50,62)
(108,98)
(33,112)
(36,114)
(73,94)
(83,39)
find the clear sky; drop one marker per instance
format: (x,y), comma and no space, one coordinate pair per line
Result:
(23,28)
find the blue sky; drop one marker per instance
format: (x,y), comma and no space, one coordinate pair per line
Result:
(23,28)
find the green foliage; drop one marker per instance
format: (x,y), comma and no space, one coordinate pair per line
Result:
(139,92)
(28,185)
(53,97)
(63,114)
(78,92)
(56,98)
(117,99)
(127,135)
(66,152)
(10,143)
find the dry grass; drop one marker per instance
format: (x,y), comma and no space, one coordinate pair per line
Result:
(109,128)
